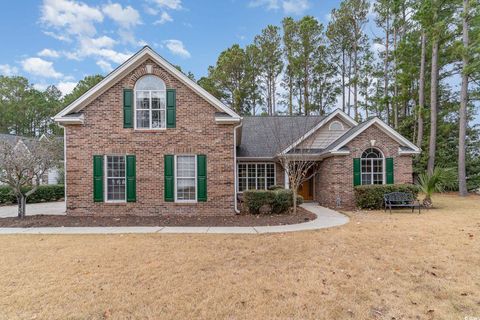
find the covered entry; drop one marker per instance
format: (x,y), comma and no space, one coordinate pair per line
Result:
(306,189)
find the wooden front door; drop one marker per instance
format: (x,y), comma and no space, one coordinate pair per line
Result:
(306,189)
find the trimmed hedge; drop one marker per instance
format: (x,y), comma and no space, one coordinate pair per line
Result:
(371,196)
(269,201)
(44,193)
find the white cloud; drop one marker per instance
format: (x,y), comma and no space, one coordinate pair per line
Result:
(104,65)
(269,4)
(169,4)
(150,10)
(72,17)
(177,48)
(40,67)
(41,86)
(8,70)
(295,7)
(57,36)
(49,53)
(164,18)
(126,17)
(66,87)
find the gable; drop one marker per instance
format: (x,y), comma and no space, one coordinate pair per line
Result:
(70,113)
(326,134)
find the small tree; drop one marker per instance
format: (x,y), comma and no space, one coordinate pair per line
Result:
(22,167)
(284,131)
(437,181)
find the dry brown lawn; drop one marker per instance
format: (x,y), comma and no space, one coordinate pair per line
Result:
(379,266)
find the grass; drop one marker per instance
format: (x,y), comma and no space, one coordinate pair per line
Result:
(379,266)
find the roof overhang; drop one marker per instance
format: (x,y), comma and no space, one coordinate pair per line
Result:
(69,120)
(227,120)
(127,67)
(333,114)
(388,130)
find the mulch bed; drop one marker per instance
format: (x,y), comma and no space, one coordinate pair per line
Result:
(161,220)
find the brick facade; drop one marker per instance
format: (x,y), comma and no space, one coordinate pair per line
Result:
(334,180)
(196,133)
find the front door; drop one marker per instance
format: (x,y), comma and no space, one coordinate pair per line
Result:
(306,189)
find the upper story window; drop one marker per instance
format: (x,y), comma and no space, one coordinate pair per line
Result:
(335,126)
(150,103)
(373,168)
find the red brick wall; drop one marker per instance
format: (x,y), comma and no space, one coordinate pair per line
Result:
(196,133)
(334,181)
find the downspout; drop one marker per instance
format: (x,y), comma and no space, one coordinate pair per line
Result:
(237,211)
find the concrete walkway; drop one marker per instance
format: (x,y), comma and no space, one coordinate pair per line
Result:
(57,208)
(326,218)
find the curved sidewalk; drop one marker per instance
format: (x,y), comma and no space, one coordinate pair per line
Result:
(326,218)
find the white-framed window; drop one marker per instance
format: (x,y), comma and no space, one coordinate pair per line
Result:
(373,167)
(150,103)
(115,178)
(336,126)
(185,178)
(255,176)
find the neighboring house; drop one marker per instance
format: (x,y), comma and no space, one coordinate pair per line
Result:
(53,175)
(148,140)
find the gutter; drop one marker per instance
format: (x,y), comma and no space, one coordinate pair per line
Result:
(237,211)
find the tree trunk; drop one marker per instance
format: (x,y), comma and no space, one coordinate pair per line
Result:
(433,108)
(355,86)
(385,71)
(462,175)
(395,88)
(421,92)
(306,100)
(343,80)
(294,200)
(22,206)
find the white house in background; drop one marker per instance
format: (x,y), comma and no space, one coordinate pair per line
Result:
(53,175)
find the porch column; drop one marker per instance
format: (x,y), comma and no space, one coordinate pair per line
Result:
(287,181)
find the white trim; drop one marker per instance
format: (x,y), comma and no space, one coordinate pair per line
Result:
(128,66)
(65,165)
(335,122)
(386,128)
(105,178)
(268,159)
(403,152)
(223,120)
(69,120)
(175,177)
(256,176)
(335,113)
(150,110)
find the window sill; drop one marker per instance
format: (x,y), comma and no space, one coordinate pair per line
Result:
(114,203)
(185,203)
(149,130)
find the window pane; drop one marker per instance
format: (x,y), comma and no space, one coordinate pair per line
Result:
(158,100)
(143,99)
(242,184)
(150,82)
(115,178)
(186,189)
(186,166)
(242,170)
(143,119)
(158,118)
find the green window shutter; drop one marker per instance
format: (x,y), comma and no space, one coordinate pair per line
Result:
(357,180)
(131,179)
(127,108)
(389,170)
(171,108)
(169,178)
(201,178)
(98,178)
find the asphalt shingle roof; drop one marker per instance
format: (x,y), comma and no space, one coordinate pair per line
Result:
(265,136)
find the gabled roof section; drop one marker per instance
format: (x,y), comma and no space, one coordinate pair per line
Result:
(333,114)
(128,66)
(406,147)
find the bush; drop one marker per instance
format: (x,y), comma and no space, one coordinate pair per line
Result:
(275,187)
(371,196)
(269,201)
(44,193)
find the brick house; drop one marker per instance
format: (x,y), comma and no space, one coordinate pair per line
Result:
(148,140)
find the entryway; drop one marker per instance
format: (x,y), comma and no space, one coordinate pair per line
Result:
(306,188)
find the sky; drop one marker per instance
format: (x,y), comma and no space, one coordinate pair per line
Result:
(61,41)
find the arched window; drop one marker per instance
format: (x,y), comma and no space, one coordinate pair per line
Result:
(373,165)
(150,103)
(335,126)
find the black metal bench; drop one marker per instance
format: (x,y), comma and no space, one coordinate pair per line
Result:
(400,199)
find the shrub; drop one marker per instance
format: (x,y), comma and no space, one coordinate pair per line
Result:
(269,201)
(253,200)
(44,193)
(275,187)
(371,196)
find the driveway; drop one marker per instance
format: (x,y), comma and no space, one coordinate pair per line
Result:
(35,208)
